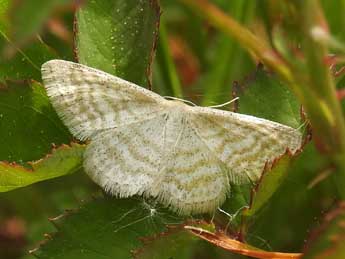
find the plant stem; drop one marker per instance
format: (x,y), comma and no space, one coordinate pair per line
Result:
(244,36)
(328,119)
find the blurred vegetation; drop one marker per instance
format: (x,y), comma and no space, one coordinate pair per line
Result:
(284,59)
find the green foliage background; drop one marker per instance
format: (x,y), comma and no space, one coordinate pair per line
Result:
(182,49)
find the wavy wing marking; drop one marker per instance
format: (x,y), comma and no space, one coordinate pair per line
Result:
(89,100)
(195,180)
(244,143)
(161,157)
(128,160)
(142,144)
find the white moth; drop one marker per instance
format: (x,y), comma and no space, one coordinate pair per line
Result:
(143,144)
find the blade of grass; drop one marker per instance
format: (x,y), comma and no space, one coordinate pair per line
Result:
(217,85)
(241,34)
(332,127)
(168,68)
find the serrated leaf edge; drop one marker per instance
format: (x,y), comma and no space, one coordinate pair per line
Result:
(170,229)
(35,163)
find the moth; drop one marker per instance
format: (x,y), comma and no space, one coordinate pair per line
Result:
(143,144)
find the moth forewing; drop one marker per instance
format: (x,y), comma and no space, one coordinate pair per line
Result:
(142,144)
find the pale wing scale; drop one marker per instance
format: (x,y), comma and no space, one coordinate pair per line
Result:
(244,143)
(128,160)
(195,180)
(89,100)
(160,157)
(142,144)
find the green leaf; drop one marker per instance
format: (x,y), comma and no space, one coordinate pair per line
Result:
(64,160)
(15,62)
(176,242)
(294,197)
(22,63)
(42,200)
(231,211)
(19,62)
(328,240)
(27,17)
(28,123)
(270,181)
(118,37)
(264,96)
(108,228)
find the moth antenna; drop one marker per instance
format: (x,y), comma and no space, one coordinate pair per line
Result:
(224,104)
(179,99)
